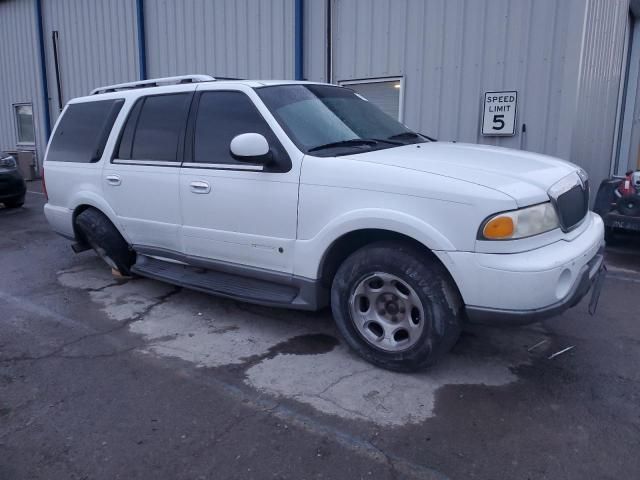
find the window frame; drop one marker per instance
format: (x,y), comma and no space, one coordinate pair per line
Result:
(360,81)
(20,143)
(283,162)
(134,110)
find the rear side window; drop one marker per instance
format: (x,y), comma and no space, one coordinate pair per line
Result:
(155,128)
(83,131)
(221,116)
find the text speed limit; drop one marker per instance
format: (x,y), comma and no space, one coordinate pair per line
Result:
(499,117)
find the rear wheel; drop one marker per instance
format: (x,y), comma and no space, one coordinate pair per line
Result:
(396,306)
(629,205)
(101,235)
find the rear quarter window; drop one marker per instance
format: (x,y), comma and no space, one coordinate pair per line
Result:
(83,131)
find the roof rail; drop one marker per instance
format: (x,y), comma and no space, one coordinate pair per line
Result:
(153,82)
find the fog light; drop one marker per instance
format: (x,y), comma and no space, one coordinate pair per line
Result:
(564,284)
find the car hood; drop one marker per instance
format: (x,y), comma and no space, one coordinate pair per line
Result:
(524,176)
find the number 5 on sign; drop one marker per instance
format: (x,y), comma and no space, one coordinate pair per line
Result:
(499,117)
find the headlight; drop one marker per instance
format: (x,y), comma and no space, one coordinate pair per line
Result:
(8,162)
(522,223)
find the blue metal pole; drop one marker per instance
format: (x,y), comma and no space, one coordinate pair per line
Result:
(142,43)
(43,70)
(299,39)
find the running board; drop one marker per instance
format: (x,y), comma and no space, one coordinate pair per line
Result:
(215,282)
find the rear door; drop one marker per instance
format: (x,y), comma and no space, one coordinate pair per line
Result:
(141,182)
(73,160)
(235,212)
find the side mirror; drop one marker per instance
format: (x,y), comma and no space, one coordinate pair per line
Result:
(251,148)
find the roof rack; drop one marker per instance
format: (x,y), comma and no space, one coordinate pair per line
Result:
(153,82)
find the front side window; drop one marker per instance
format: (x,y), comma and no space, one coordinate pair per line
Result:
(83,130)
(155,128)
(24,122)
(325,120)
(221,116)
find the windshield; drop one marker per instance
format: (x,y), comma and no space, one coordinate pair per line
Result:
(329,121)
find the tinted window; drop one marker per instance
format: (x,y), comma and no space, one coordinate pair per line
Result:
(328,120)
(160,127)
(221,116)
(83,131)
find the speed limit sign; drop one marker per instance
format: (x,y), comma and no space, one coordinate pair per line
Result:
(499,116)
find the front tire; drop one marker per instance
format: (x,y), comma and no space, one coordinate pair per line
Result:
(396,306)
(101,235)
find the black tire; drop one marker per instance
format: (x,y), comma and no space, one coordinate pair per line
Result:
(629,205)
(610,235)
(101,235)
(441,302)
(14,202)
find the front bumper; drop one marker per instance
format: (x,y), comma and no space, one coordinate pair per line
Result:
(525,287)
(580,288)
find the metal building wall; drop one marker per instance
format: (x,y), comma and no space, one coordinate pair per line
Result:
(451,51)
(599,85)
(19,68)
(315,38)
(232,38)
(97,42)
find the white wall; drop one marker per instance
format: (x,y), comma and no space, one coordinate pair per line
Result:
(19,70)
(564,57)
(97,43)
(451,51)
(599,86)
(228,38)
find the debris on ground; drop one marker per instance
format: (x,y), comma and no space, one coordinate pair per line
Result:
(541,342)
(561,352)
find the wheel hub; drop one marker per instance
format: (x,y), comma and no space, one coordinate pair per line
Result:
(387,312)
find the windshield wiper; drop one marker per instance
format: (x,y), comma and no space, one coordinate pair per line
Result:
(402,135)
(354,142)
(386,140)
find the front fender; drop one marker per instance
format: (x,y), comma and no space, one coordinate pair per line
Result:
(310,252)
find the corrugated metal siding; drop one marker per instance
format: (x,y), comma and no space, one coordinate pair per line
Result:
(452,51)
(232,38)
(599,83)
(97,45)
(19,67)
(315,35)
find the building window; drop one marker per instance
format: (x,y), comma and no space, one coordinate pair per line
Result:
(385,93)
(24,121)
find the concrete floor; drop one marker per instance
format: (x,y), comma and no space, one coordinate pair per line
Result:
(104,378)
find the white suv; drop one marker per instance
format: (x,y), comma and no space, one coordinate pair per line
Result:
(304,195)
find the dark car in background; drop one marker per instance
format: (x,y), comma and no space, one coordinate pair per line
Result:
(12,186)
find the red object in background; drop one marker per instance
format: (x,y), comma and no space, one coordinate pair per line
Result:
(626,186)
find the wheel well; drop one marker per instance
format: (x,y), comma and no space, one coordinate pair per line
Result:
(79,209)
(344,246)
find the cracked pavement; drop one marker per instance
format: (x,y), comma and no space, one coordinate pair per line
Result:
(112,378)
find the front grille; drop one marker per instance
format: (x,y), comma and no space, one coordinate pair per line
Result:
(572,206)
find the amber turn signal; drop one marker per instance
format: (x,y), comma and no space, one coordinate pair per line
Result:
(499,227)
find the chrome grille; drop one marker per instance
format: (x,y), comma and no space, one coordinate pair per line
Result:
(572,206)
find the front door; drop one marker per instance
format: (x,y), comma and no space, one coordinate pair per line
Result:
(142,182)
(236,212)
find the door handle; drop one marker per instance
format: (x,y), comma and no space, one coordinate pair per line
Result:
(114,180)
(200,187)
